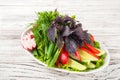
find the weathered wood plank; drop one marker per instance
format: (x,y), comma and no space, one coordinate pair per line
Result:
(100,17)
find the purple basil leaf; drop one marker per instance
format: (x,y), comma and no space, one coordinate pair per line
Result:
(59,27)
(67,31)
(71,45)
(79,24)
(58,20)
(91,42)
(52,33)
(66,18)
(86,37)
(75,37)
(59,41)
(69,21)
(79,32)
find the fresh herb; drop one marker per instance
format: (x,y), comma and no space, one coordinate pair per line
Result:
(44,46)
(65,29)
(96,44)
(55,57)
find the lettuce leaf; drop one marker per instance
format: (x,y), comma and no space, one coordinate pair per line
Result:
(100,62)
(67,67)
(96,44)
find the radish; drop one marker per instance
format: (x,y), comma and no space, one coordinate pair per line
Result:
(28,41)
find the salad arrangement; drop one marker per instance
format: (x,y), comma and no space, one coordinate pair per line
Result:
(59,41)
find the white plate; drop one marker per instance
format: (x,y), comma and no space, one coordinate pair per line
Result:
(107,59)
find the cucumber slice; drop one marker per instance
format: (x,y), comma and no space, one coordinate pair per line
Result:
(74,64)
(101,52)
(91,65)
(86,56)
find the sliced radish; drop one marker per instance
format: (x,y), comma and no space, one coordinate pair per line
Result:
(28,41)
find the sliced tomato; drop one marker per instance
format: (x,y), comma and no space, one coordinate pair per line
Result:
(64,57)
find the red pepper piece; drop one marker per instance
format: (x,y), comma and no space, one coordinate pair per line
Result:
(89,52)
(77,55)
(91,48)
(92,38)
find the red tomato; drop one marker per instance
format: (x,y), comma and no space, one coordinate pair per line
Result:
(92,38)
(64,57)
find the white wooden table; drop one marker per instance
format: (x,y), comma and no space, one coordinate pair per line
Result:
(100,17)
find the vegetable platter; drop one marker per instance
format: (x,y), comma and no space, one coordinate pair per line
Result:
(59,42)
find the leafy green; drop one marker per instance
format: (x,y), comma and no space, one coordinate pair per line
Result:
(55,57)
(37,36)
(50,49)
(67,67)
(45,47)
(96,44)
(99,62)
(35,53)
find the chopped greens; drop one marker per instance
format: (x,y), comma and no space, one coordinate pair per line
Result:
(40,28)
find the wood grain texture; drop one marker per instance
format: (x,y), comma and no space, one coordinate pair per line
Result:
(100,17)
